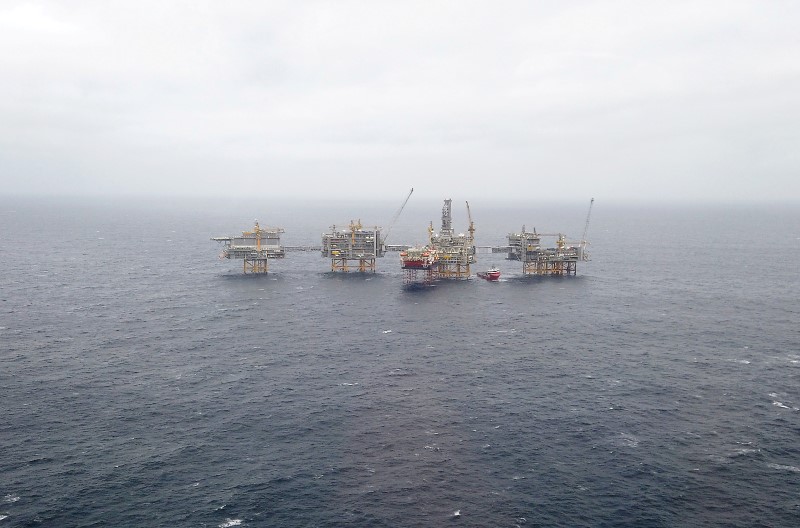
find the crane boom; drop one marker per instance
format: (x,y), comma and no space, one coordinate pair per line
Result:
(586,226)
(397,215)
(584,242)
(471,224)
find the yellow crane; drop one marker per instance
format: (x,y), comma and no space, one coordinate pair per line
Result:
(471,224)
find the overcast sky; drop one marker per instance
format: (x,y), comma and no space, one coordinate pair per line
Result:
(623,101)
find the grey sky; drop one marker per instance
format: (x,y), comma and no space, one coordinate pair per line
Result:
(627,100)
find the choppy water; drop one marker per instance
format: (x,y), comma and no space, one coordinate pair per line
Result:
(147,383)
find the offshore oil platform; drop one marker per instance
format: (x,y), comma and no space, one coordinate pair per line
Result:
(447,255)
(562,259)
(537,260)
(255,248)
(356,248)
(355,245)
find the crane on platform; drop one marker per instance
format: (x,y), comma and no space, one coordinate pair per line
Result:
(584,242)
(471,231)
(471,224)
(396,216)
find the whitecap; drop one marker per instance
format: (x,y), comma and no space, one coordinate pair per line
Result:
(720,459)
(628,440)
(784,468)
(457,513)
(3,517)
(11,498)
(230,522)
(387,331)
(779,404)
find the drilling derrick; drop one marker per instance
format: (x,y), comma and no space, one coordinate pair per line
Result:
(447,218)
(353,248)
(254,247)
(454,253)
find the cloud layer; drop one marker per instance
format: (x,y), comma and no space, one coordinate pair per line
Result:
(620,100)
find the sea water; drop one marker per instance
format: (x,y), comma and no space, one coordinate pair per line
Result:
(145,382)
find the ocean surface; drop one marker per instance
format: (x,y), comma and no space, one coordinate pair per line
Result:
(145,382)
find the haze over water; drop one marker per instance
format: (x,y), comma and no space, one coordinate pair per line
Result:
(146,382)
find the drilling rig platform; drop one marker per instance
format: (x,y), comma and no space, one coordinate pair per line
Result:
(254,247)
(446,256)
(454,252)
